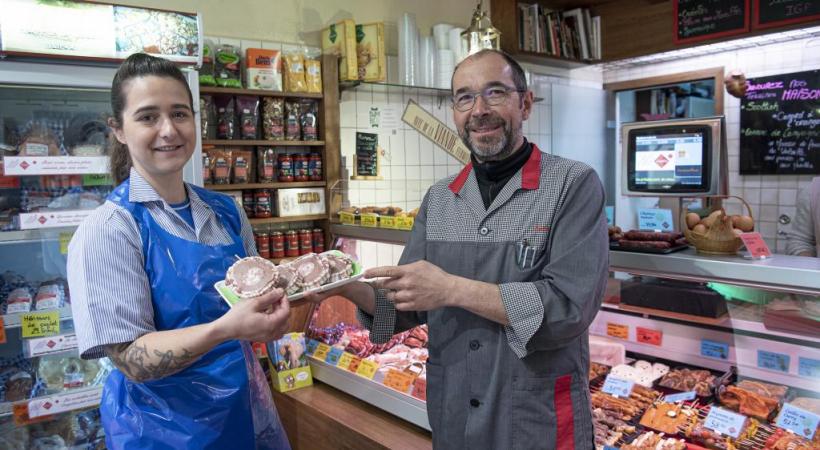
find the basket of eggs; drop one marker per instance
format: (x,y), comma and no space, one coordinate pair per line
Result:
(718,233)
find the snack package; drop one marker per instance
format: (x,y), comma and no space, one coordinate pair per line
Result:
(207,113)
(264,69)
(207,174)
(242,164)
(295,72)
(293,128)
(248,109)
(18,301)
(340,39)
(221,165)
(309,119)
(313,72)
(226,67)
(60,373)
(206,72)
(370,55)
(289,369)
(226,118)
(39,140)
(86,135)
(266,164)
(273,118)
(50,295)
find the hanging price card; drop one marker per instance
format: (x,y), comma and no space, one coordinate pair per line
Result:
(725,422)
(64,402)
(344,361)
(398,380)
(388,222)
(369,220)
(798,420)
(773,361)
(756,245)
(333,356)
(420,389)
(682,397)
(617,330)
(347,218)
(617,387)
(367,369)
(808,367)
(406,223)
(311,346)
(40,324)
(321,351)
(713,349)
(648,336)
(355,362)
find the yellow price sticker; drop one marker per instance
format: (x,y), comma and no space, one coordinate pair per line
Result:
(40,324)
(354,364)
(617,330)
(347,218)
(367,369)
(345,360)
(398,380)
(370,220)
(321,351)
(388,222)
(405,223)
(65,238)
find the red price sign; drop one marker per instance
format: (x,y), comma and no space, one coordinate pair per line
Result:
(756,245)
(648,336)
(420,389)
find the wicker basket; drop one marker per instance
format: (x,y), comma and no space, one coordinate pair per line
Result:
(720,239)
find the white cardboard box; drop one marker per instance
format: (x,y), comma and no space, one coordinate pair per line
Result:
(300,201)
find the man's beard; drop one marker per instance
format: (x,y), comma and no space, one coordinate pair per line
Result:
(490,148)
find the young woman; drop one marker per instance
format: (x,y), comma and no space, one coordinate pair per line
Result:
(141,271)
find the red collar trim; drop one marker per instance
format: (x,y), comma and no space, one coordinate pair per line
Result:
(530,173)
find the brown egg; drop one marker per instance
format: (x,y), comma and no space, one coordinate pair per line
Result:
(692,219)
(699,229)
(745,223)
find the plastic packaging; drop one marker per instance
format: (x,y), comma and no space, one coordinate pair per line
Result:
(226,67)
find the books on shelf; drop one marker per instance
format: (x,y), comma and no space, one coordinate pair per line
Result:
(573,34)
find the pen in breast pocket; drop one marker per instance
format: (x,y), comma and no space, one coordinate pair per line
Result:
(525,254)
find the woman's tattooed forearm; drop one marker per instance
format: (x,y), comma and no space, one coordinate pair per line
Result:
(138,364)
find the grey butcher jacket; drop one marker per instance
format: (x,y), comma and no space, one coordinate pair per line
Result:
(521,386)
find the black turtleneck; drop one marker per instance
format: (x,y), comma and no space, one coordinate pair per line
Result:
(492,176)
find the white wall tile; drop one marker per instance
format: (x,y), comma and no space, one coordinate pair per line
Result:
(411,147)
(768,213)
(768,196)
(426,152)
(768,229)
(788,197)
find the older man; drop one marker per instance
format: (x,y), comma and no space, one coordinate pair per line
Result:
(507,264)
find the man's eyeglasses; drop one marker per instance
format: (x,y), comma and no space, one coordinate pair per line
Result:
(493,95)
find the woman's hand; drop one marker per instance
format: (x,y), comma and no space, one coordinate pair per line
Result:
(259,319)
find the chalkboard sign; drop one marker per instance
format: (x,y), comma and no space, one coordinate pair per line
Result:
(698,20)
(775,13)
(780,125)
(367,156)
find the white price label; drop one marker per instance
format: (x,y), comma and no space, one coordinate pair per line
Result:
(56,404)
(55,165)
(52,219)
(51,344)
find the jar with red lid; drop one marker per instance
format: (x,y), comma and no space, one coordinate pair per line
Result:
(263,203)
(300,167)
(305,242)
(318,240)
(277,244)
(263,244)
(291,243)
(249,204)
(285,163)
(315,167)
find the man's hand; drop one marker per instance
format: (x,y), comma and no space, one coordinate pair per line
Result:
(419,286)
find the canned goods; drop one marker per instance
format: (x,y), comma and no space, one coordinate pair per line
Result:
(277,244)
(263,244)
(291,243)
(315,167)
(318,240)
(305,242)
(249,204)
(263,203)
(285,163)
(300,167)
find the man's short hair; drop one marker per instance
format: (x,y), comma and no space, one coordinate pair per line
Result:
(518,76)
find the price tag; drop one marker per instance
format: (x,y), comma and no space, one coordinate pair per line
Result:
(807,367)
(648,336)
(367,369)
(756,245)
(406,223)
(388,222)
(713,349)
(682,397)
(333,356)
(369,220)
(321,351)
(40,324)
(655,219)
(355,362)
(311,346)
(725,422)
(64,402)
(2,331)
(617,330)
(398,380)
(347,218)
(617,387)
(344,361)
(420,389)
(773,361)
(48,345)
(798,420)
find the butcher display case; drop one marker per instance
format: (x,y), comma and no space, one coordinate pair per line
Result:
(728,343)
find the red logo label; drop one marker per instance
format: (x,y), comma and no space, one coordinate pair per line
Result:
(661,161)
(42,219)
(541,229)
(51,344)
(47,405)
(24,165)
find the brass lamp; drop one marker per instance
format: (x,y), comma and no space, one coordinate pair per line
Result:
(481,34)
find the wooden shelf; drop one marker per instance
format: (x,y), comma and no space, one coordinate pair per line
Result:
(257,92)
(263,143)
(550,60)
(288,219)
(234,187)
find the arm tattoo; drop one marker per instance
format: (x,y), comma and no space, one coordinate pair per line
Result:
(136,362)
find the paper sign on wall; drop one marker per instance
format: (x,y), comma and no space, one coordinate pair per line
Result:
(40,324)
(655,219)
(435,130)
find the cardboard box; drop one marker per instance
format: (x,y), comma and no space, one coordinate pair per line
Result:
(300,201)
(289,368)
(370,54)
(264,69)
(340,39)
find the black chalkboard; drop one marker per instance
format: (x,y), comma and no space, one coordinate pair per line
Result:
(698,20)
(780,125)
(367,155)
(774,13)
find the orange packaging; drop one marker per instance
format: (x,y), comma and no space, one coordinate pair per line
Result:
(264,69)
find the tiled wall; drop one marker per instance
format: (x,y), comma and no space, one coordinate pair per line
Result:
(769,196)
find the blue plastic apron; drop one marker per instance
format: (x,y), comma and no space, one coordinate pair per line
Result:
(222,401)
